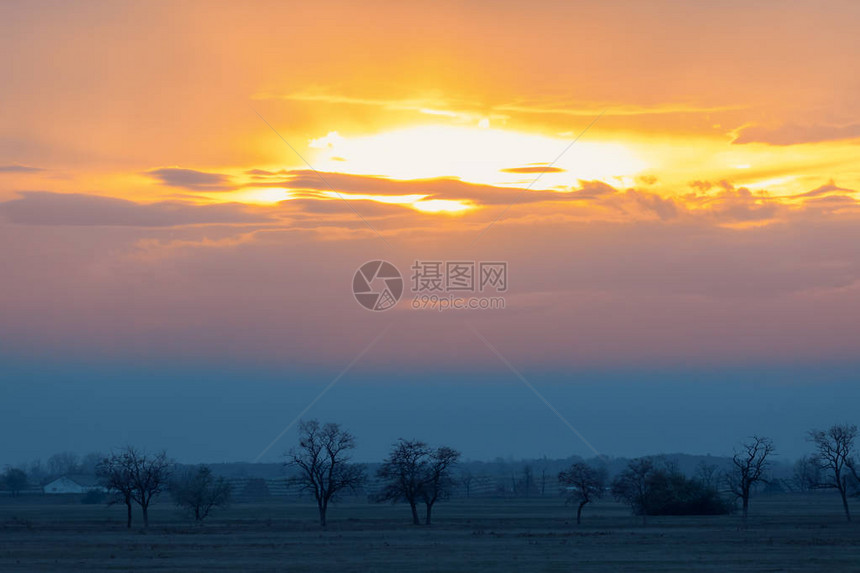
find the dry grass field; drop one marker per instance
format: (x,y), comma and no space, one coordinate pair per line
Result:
(785,533)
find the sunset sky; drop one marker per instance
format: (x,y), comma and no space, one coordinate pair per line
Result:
(186,190)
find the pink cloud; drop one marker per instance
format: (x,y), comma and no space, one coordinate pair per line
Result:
(614,291)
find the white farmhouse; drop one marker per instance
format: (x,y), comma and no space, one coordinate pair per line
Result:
(73,484)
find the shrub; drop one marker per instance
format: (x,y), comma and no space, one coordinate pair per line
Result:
(675,494)
(650,490)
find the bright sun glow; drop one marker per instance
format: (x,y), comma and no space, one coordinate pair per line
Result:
(262,196)
(476,155)
(483,154)
(442,206)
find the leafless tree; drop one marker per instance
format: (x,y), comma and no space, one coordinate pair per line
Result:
(89,463)
(528,480)
(404,470)
(199,492)
(749,465)
(37,471)
(324,463)
(114,473)
(466,478)
(63,463)
(835,458)
(633,484)
(708,475)
(583,484)
(669,465)
(438,482)
(14,480)
(149,477)
(414,472)
(543,476)
(807,475)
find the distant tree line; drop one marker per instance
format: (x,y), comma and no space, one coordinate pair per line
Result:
(420,476)
(415,473)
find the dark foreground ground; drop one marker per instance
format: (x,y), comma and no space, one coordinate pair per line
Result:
(786,533)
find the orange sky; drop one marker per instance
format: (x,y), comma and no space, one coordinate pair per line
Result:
(726,126)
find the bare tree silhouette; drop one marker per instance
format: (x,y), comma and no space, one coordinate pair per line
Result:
(149,476)
(15,480)
(133,475)
(114,473)
(633,485)
(324,463)
(438,483)
(199,492)
(415,472)
(806,475)
(750,463)
(835,458)
(583,484)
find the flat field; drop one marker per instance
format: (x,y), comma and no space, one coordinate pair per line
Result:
(784,533)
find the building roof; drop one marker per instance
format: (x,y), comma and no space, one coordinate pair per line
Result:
(82,480)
